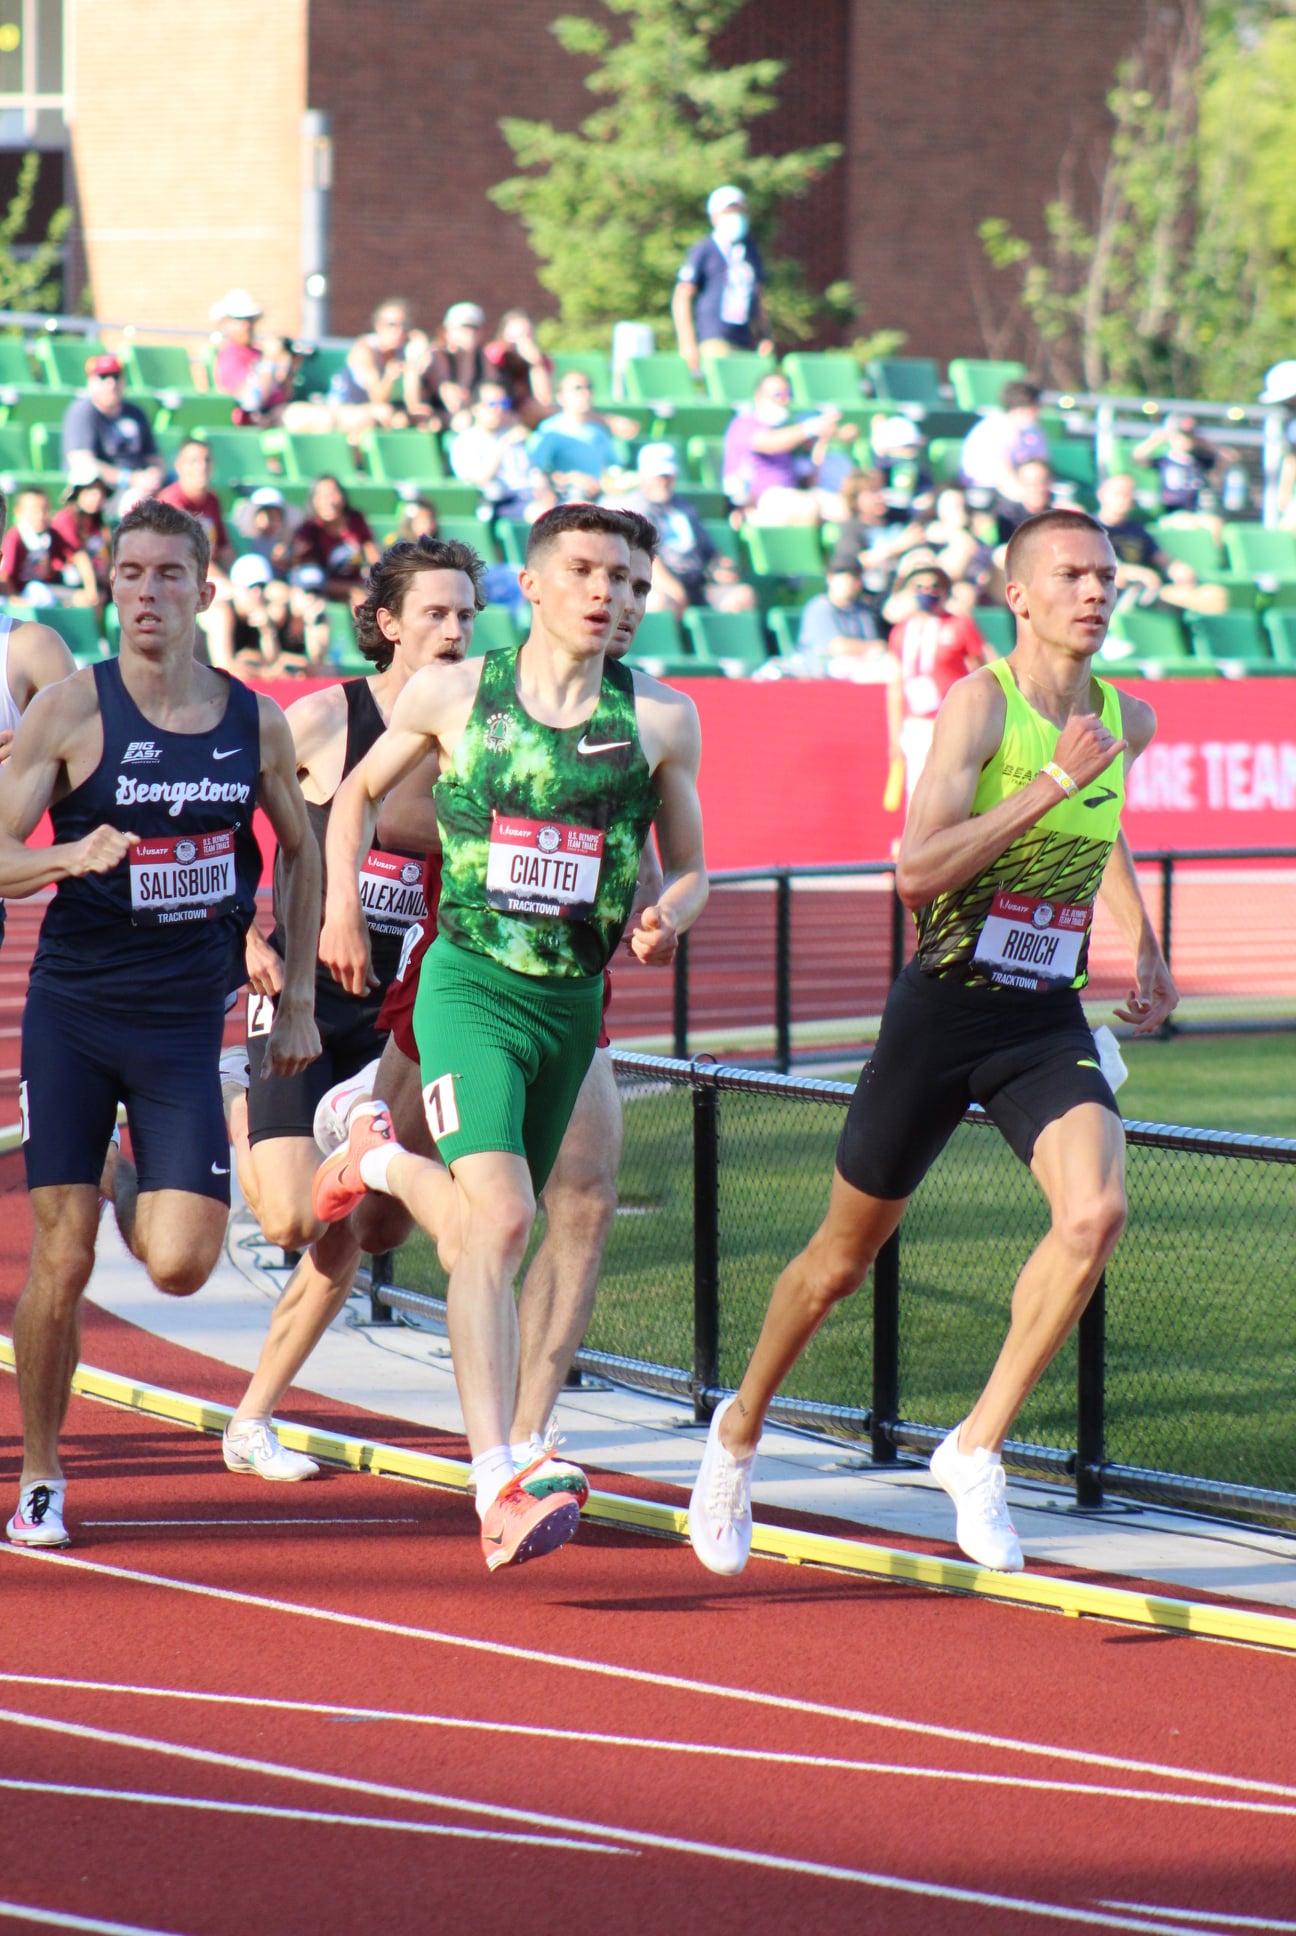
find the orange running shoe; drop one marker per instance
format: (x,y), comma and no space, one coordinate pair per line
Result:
(337,1187)
(518,1527)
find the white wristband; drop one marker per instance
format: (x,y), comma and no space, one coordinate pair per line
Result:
(1062,778)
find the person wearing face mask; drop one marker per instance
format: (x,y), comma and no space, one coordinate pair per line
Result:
(716,306)
(933,648)
(771,458)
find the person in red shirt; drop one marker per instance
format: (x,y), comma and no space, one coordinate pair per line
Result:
(334,545)
(933,648)
(81,523)
(38,564)
(192,492)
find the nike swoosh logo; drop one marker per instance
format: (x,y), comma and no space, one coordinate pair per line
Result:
(586,746)
(228,754)
(1099,799)
(218,1171)
(1083,1064)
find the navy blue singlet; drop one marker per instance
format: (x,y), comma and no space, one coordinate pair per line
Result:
(162,933)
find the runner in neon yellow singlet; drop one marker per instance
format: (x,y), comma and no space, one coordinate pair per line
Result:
(1013,830)
(555,763)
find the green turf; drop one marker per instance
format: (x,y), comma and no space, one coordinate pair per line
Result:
(1201,1343)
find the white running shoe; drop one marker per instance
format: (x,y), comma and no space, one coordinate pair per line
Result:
(719,1515)
(250,1446)
(333,1110)
(39,1518)
(235,1075)
(975,1482)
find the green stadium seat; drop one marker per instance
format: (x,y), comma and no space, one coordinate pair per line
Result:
(160,366)
(78,627)
(658,649)
(470,531)
(1233,639)
(677,422)
(595,364)
(344,655)
(38,405)
(1191,544)
(16,455)
(404,456)
(725,539)
(662,377)
(785,550)
(452,499)
(195,411)
(1280,625)
(705,459)
(733,379)
(63,358)
(316,371)
(1261,553)
(707,503)
(784,622)
(511,536)
(823,376)
(734,640)
(906,379)
(494,630)
(944,456)
(977,381)
(1074,461)
(15,364)
(1150,637)
(318,453)
(239,459)
(997,627)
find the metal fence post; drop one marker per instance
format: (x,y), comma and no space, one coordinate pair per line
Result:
(380,1273)
(680,1001)
(1166,1029)
(1091,1353)
(897,931)
(706,1248)
(886,1350)
(783,972)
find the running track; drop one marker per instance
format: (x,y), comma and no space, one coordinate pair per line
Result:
(311,1709)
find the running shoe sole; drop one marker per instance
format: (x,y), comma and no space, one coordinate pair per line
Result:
(548,1533)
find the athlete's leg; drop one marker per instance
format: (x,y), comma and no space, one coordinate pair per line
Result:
(311,1299)
(557,1294)
(177,1236)
(497,1209)
(381,1222)
(276,1175)
(46,1325)
(832,1266)
(1079,1163)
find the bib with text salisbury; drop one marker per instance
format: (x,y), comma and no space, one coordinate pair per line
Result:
(188,877)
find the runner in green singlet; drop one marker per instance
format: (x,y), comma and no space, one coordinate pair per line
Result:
(556,761)
(1013,831)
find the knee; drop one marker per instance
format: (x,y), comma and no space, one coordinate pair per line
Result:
(180,1276)
(584,1208)
(288,1226)
(502,1232)
(1091,1227)
(61,1269)
(830,1273)
(380,1224)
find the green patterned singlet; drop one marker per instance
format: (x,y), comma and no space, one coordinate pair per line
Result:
(542,828)
(1024,922)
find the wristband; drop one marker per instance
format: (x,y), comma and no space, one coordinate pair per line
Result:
(1062,778)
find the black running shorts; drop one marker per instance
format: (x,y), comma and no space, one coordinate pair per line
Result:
(78,1063)
(1026,1058)
(285,1105)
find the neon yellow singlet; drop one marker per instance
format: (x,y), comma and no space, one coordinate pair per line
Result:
(1024,922)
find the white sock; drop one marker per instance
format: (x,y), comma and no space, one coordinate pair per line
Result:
(523,1452)
(491,1472)
(374,1165)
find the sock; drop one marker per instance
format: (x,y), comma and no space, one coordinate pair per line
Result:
(491,1472)
(523,1451)
(374,1165)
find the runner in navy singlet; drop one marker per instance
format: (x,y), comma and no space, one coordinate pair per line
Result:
(422,600)
(151,766)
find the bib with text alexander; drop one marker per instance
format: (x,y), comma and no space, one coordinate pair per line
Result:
(1031,944)
(393,892)
(187,877)
(543,867)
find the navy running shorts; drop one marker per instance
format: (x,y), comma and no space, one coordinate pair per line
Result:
(79,1063)
(285,1105)
(1026,1058)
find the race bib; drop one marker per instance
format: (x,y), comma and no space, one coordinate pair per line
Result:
(393,892)
(1032,944)
(542,867)
(185,877)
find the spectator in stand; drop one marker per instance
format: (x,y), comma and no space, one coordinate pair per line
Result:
(259,376)
(931,648)
(681,567)
(297,615)
(900,450)
(491,452)
(717,306)
(1035,487)
(262,524)
(771,460)
(333,547)
(81,523)
(1144,572)
(874,531)
(575,448)
(995,449)
(522,366)
(1186,465)
(418,519)
(957,537)
(457,365)
(381,384)
(192,492)
(38,564)
(1280,387)
(839,634)
(103,425)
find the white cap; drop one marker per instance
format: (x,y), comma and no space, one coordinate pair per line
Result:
(726,197)
(894,434)
(267,497)
(238,304)
(464,315)
(658,460)
(250,569)
(1280,383)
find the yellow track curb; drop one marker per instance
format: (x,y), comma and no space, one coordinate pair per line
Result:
(1206,1619)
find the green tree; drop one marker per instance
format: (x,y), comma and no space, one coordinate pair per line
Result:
(611,208)
(30,275)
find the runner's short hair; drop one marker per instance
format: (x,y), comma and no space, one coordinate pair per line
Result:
(1017,558)
(644,532)
(390,579)
(165,521)
(546,531)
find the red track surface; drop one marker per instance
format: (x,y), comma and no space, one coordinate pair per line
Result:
(392,1739)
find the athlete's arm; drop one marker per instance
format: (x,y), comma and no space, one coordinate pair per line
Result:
(407,821)
(672,723)
(1155,997)
(943,847)
(37,658)
(30,782)
(294,1039)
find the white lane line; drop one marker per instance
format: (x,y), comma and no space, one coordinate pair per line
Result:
(641,1838)
(54,1919)
(458,1831)
(582,1737)
(500,1650)
(286,1519)
(1206,1915)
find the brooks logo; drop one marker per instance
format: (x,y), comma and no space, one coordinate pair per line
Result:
(1099,799)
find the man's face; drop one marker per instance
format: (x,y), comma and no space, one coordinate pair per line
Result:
(640,586)
(435,621)
(658,488)
(1068,589)
(107,393)
(390,327)
(580,586)
(1036,485)
(843,587)
(575,395)
(193,469)
(33,510)
(157,591)
(1115,499)
(327,500)
(238,328)
(492,407)
(773,397)
(462,336)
